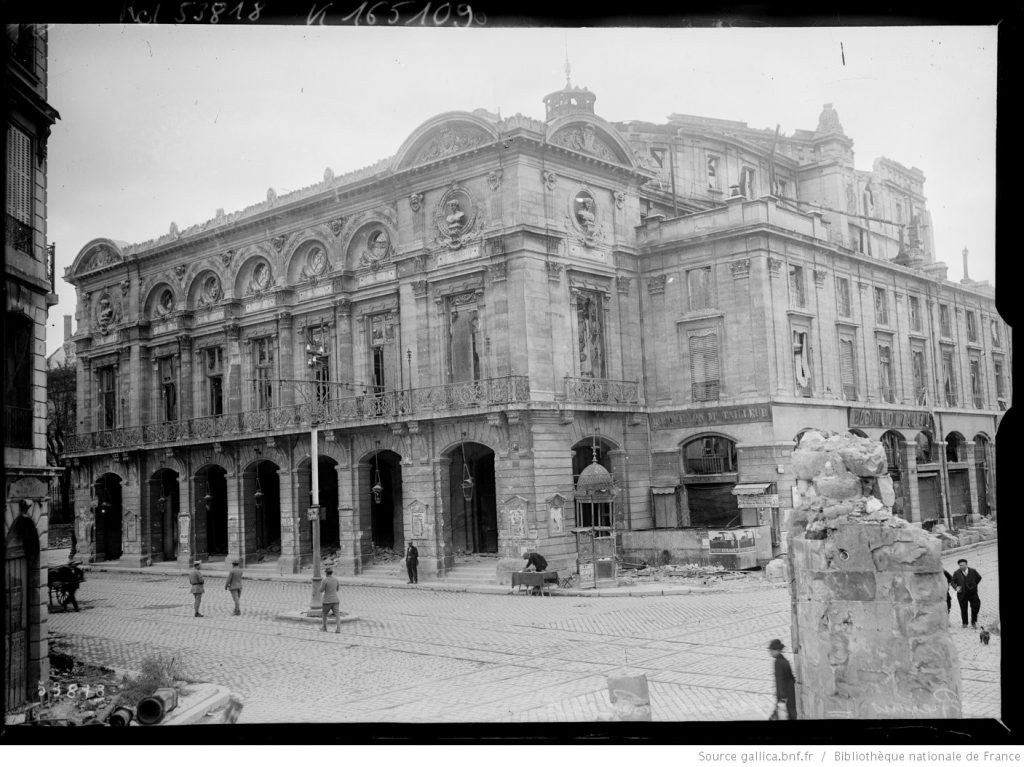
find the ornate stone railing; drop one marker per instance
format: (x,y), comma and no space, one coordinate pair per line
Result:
(602,391)
(390,405)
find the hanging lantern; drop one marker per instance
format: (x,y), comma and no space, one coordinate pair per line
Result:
(161,503)
(258,497)
(207,500)
(377,488)
(467,478)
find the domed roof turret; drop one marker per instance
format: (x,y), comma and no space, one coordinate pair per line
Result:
(595,484)
(569,100)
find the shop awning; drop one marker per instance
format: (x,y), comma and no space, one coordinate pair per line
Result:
(670,490)
(754,488)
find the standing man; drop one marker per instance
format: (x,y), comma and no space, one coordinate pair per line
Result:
(195,579)
(234,584)
(412,560)
(965,581)
(331,601)
(785,682)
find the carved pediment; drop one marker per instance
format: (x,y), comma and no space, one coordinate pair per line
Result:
(101,256)
(585,138)
(449,140)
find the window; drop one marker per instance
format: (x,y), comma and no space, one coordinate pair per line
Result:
(263,361)
(881,307)
(704,365)
(107,391)
(843,297)
(923,447)
(972,326)
(590,321)
(920,376)
(868,201)
(915,313)
(698,284)
(996,335)
(885,380)
(168,389)
(848,368)
(319,361)
(862,237)
(713,180)
(709,455)
(384,354)
(899,213)
(214,380)
(945,326)
(975,367)
(747,177)
(18,381)
(948,378)
(1000,384)
(802,362)
(796,286)
(19,190)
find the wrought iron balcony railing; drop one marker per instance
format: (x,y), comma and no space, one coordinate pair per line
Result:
(425,402)
(19,235)
(602,391)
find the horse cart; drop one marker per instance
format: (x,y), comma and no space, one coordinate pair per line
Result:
(63,582)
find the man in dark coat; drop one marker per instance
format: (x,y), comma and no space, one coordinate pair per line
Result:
(234,585)
(538,563)
(785,682)
(965,581)
(412,560)
(195,580)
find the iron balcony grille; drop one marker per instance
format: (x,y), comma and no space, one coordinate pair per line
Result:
(19,235)
(602,391)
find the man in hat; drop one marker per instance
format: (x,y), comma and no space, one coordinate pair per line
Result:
(785,682)
(195,580)
(412,560)
(965,581)
(331,601)
(234,584)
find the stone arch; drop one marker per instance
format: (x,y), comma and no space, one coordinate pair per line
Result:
(153,304)
(709,453)
(800,434)
(301,266)
(198,290)
(444,135)
(956,447)
(325,447)
(925,447)
(589,134)
(245,284)
(203,457)
(371,242)
(449,436)
(250,453)
(98,253)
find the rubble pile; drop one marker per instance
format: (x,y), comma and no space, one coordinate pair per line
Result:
(871,635)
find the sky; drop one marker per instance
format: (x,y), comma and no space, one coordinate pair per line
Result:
(165,123)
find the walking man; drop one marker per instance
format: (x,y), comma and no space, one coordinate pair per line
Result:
(234,584)
(331,601)
(412,560)
(195,579)
(965,581)
(785,682)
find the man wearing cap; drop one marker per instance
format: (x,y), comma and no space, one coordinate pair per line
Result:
(195,580)
(965,581)
(330,601)
(234,584)
(785,683)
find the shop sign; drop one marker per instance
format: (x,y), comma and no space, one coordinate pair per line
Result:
(757,501)
(711,416)
(890,419)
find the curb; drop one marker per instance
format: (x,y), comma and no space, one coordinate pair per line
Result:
(304,618)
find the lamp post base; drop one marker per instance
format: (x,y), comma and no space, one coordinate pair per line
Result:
(316,606)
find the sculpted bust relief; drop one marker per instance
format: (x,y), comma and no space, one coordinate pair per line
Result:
(456,217)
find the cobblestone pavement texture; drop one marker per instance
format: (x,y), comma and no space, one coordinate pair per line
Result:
(441,656)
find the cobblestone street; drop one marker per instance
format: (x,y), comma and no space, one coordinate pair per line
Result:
(438,656)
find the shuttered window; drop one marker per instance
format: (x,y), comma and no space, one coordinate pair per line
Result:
(848,368)
(885,385)
(915,314)
(704,366)
(920,381)
(949,379)
(19,175)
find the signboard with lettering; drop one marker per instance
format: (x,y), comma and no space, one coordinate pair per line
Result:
(890,419)
(757,501)
(711,416)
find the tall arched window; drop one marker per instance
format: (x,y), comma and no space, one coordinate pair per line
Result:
(709,455)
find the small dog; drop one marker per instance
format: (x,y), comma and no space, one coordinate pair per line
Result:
(984,636)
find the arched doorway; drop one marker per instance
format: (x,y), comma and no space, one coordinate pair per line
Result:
(21,608)
(211,519)
(327,470)
(893,443)
(261,491)
(109,527)
(929,497)
(474,520)
(164,499)
(981,463)
(959,479)
(385,474)
(710,471)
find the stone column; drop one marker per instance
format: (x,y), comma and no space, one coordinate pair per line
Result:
(349,560)
(291,552)
(870,630)
(285,367)
(131,523)
(186,502)
(972,479)
(186,387)
(236,539)
(911,496)
(423,519)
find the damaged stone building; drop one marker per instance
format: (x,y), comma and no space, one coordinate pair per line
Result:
(471,323)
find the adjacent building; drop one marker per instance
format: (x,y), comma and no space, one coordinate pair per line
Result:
(466,326)
(29,293)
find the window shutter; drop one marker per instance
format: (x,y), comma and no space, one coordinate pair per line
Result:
(704,365)
(847,369)
(19,175)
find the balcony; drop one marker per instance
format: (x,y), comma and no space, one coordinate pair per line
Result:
(19,235)
(17,426)
(360,410)
(601,391)
(710,464)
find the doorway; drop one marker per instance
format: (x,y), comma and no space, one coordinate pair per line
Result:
(474,521)
(21,600)
(385,472)
(109,527)
(211,525)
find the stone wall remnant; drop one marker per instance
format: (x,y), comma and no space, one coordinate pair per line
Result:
(870,631)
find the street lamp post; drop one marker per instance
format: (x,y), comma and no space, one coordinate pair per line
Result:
(315,353)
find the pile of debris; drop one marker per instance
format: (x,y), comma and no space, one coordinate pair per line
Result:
(386,554)
(707,573)
(77,694)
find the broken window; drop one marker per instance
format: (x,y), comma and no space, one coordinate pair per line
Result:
(885,379)
(848,368)
(802,362)
(590,322)
(843,297)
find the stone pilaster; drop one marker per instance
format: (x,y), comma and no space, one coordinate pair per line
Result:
(131,521)
(349,561)
(291,547)
(285,366)
(236,527)
(186,387)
